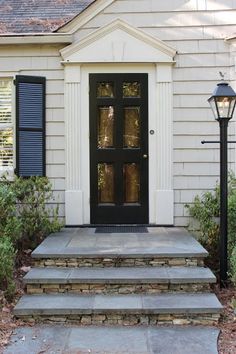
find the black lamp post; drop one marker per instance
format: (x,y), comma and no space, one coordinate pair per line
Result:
(223,102)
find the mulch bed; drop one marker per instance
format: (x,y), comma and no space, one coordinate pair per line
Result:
(227,325)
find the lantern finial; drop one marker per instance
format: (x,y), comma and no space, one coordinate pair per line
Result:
(222,75)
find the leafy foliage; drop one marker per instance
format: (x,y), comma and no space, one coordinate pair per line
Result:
(206,210)
(233,265)
(232,221)
(7,258)
(25,220)
(10,224)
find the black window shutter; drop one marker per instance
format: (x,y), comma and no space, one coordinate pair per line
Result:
(30,125)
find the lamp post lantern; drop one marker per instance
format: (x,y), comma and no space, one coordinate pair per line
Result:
(223,102)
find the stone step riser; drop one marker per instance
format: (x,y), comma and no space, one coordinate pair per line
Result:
(85,288)
(127,320)
(118,262)
(128,309)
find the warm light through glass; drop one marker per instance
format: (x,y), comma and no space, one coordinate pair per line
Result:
(223,106)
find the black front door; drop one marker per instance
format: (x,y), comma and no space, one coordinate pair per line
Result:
(119,148)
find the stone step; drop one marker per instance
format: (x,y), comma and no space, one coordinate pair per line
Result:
(122,280)
(113,339)
(121,309)
(85,248)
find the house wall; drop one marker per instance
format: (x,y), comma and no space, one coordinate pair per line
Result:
(44,61)
(197,29)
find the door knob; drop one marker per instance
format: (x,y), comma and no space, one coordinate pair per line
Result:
(145,156)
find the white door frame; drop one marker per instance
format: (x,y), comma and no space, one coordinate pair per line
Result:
(118,44)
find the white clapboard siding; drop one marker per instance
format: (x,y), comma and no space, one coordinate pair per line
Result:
(186,142)
(55,129)
(58,184)
(169,19)
(201,73)
(55,114)
(194,128)
(187,196)
(55,157)
(201,46)
(195,60)
(55,142)
(194,88)
(56,101)
(55,170)
(209,155)
(175,33)
(196,29)
(179,210)
(44,60)
(194,182)
(123,6)
(55,87)
(200,168)
(192,114)
(190,33)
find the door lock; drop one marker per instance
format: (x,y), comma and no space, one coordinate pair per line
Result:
(145,156)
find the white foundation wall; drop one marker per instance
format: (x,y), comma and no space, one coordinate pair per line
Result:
(44,60)
(197,30)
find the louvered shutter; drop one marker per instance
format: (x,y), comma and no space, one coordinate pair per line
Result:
(30,126)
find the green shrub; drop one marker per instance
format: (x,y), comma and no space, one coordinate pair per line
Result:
(233,265)
(25,220)
(27,217)
(10,224)
(206,210)
(232,221)
(7,260)
(37,219)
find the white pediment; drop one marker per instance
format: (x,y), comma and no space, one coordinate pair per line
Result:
(118,42)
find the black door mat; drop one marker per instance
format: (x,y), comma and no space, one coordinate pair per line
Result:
(120,229)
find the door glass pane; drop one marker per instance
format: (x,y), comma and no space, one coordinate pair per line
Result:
(131,182)
(132,127)
(105,127)
(131,89)
(105,183)
(105,89)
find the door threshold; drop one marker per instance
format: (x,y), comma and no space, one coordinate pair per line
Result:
(116,225)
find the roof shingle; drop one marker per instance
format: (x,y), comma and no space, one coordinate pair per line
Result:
(38,16)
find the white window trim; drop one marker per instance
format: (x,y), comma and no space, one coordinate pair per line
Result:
(9,170)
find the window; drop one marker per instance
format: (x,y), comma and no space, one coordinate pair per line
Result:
(6,125)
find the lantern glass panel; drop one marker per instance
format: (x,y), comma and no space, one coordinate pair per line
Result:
(214,107)
(224,105)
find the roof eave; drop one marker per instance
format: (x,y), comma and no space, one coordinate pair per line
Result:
(84,16)
(35,38)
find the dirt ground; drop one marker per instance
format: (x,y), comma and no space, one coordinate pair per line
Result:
(227,325)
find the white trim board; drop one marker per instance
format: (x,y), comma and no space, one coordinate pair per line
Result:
(160,158)
(118,42)
(35,38)
(85,16)
(118,48)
